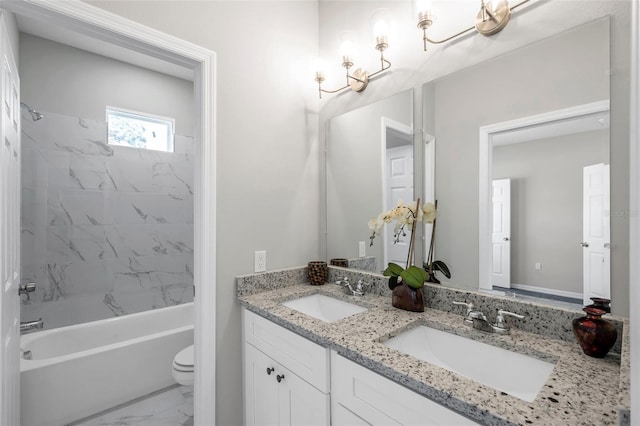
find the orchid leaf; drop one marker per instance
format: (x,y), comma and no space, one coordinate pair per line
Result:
(414,277)
(393,270)
(393,283)
(439,265)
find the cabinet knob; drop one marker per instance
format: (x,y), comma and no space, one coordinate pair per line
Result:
(270,370)
(280,378)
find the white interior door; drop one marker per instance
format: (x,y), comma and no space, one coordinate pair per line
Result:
(9,234)
(399,179)
(595,230)
(501,236)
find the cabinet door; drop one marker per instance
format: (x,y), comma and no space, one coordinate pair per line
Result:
(260,388)
(301,403)
(359,393)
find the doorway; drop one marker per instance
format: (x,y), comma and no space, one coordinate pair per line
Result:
(547,197)
(398,183)
(90,23)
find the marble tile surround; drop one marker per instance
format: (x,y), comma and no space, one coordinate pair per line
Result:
(572,372)
(106,230)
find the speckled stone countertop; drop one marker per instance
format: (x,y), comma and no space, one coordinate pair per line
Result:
(580,391)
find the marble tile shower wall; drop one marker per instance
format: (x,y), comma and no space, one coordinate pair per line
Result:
(106,230)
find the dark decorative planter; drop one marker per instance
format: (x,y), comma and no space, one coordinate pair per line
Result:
(407,298)
(343,263)
(595,335)
(317,271)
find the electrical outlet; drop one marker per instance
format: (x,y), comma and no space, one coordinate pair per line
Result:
(260,261)
(362,251)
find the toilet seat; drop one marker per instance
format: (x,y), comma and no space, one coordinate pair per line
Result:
(182,368)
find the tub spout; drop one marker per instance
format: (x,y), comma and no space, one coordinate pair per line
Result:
(29,326)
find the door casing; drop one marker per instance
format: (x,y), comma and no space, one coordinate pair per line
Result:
(102,25)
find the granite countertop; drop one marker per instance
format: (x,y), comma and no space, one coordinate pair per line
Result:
(580,391)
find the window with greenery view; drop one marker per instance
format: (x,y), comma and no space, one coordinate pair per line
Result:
(138,130)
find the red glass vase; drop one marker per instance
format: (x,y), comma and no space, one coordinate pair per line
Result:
(595,335)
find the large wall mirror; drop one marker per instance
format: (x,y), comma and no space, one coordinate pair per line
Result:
(369,167)
(522,167)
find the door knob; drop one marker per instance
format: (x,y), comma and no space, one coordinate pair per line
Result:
(280,377)
(270,370)
(584,244)
(506,238)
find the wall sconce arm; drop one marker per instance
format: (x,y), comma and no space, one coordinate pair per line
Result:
(499,19)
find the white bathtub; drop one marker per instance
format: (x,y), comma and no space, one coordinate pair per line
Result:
(83,369)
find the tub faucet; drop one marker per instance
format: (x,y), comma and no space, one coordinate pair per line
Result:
(29,326)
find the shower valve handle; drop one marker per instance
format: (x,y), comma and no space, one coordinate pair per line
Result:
(26,288)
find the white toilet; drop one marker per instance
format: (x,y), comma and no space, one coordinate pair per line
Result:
(182,368)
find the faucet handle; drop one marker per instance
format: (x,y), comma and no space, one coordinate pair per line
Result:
(467,315)
(468,305)
(363,283)
(343,281)
(500,317)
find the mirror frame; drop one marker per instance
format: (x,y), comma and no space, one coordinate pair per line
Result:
(485,164)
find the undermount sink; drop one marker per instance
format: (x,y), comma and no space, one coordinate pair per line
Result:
(324,308)
(516,374)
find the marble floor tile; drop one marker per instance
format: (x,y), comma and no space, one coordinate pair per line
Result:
(168,407)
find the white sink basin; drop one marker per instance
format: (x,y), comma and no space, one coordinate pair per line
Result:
(519,375)
(324,308)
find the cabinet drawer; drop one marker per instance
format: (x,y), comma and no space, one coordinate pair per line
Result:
(308,360)
(359,393)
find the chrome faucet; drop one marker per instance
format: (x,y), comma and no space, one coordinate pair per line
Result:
(348,289)
(29,326)
(479,321)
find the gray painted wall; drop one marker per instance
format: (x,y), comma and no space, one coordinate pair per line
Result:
(546,206)
(78,83)
(354,174)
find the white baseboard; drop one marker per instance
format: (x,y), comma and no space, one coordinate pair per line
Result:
(551,291)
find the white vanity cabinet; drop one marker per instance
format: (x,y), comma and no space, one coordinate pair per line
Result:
(361,397)
(286,377)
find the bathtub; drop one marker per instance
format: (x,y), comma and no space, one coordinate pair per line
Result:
(80,370)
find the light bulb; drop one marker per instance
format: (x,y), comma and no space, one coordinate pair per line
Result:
(319,67)
(423,6)
(347,48)
(380,28)
(424,11)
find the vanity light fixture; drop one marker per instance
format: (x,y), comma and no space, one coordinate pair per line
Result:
(493,16)
(359,78)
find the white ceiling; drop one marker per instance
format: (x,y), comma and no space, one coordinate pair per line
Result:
(71,38)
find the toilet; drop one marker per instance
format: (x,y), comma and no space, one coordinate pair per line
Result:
(182,368)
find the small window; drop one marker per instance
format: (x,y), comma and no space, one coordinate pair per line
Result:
(138,130)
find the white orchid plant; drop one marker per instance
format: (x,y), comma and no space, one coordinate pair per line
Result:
(404,216)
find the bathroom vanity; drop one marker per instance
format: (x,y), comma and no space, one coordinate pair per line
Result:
(299,369)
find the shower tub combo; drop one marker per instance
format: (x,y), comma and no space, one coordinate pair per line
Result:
(83,369)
